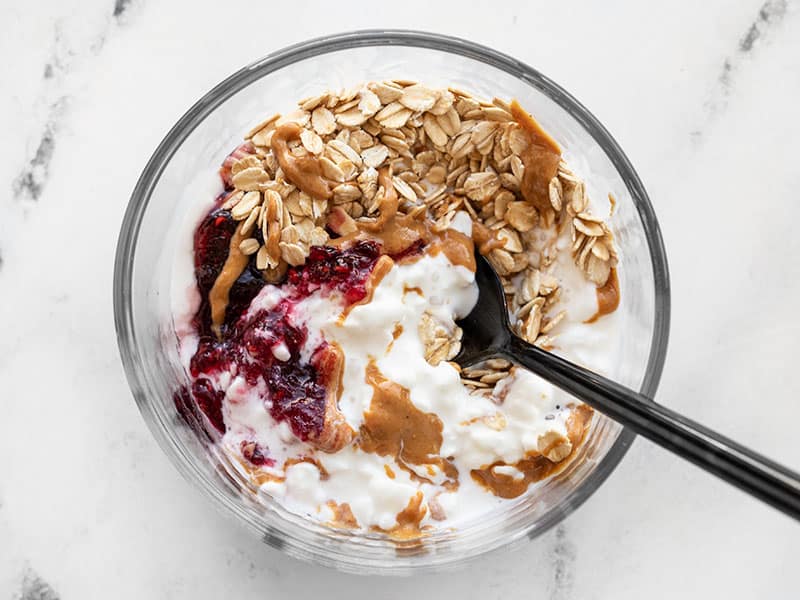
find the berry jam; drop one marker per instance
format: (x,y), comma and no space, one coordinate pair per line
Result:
(414,249)
(211,241)
(211,244)
(209,400)
(256,455)
(343,270)
(266,346)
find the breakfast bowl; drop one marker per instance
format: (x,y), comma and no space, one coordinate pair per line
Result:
(153,268)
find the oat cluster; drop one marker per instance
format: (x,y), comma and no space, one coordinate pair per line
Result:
(442,151)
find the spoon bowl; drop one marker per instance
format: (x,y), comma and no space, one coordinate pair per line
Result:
(487,329)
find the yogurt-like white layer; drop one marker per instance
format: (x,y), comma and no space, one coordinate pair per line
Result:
(530,407)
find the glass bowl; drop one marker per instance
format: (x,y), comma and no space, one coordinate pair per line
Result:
(183,169)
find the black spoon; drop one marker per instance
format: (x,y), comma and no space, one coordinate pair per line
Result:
(487,334)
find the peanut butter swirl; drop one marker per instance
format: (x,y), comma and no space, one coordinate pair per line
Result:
(303,171)
(540,158)
(394,426)
(409,521)
(607,297)
(397,233)
(218,297)
(535,466)
(343,517)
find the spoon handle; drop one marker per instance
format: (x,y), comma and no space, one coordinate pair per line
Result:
(755,474)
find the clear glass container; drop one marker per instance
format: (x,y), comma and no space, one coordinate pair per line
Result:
(197,144)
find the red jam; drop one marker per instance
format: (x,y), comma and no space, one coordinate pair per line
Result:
(211,244)
(256,455)
(249,344)
(344,270)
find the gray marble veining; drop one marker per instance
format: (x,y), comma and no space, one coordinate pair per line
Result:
(768,17)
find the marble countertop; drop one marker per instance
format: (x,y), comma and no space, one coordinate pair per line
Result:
(702,96)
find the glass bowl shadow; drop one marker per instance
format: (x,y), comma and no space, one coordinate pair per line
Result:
(154,251)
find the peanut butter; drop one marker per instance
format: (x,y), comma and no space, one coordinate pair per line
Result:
(343,517)
(323,474)
(259,476)
(336,432)
(303,171)
(485,238)
(379,271)
(457,247)
(218,297)
(607,297)
(395,235)
(409,520)
(396,333)
(540,158)
(397,232)
(394,426)
(387,207)
(534,467)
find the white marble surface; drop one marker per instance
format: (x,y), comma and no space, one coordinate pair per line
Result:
(702,96)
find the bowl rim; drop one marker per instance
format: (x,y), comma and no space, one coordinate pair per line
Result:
(140,198)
